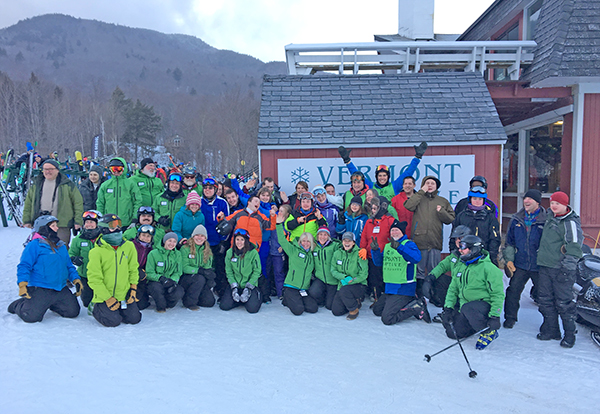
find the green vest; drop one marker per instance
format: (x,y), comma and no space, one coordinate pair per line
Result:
(395,267)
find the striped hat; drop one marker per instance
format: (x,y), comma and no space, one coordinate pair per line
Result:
(193,198)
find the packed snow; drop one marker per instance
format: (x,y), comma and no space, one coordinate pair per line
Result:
(211,361)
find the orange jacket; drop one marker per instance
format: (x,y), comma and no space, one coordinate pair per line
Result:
(254,224)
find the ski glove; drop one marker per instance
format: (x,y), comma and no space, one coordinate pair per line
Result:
(113,304)
(167,283)
(448,315)
(428,285)
(78,287)
(394,244)
(235,295)
(344,153)
(23,292)
(362,253)
(245,295)
(342,219)
(374,244)
(164,221)
(132,295)
(346,281)
(494,323)
(420,149)
(77,261)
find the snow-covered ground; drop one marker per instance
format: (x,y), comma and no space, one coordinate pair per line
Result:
(211,361)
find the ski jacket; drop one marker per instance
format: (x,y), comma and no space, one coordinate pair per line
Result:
(522,242)
(254,223)
(242,269)
(463,203)
(142,253)
(347,263)
(192,263)
(389,190)
(323,256)
(427,226)
(185,222)
(399,267)
(450,263)
(111,272)
(81,247)
(355,224)
(311,223)
(40,266)
(560,244)
(70,202)
(478,279)
(119,196)
(150,187)
(163,262)
(159,233)
(165,205)
(348,195)
(330,214)
(402,212)
(211,209)
(89,194)
(301,262)
(379,228)
(483,224)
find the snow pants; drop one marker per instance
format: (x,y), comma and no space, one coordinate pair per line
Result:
(31,310)
(162,298)
(348,298)
(142,294)
(252,306)
(375,284)
(555,296)
(513,292)
(392,308)
(297,303)
(473,317)
(322,293)
(277,264)
(197,290)
(219,264)
(131,315)
(440,289)
(87,294)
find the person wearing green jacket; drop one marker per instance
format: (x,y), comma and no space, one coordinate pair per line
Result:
(119,195)
(306,218)
(150,186)
(479,291)
(242,267)
(198,275)
(112,273)
(53,192)
(351,271)
(324,286)
(163,270)
(300,269)
(145,216)
(170,202)
(80,250)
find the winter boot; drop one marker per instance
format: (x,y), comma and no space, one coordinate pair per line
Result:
(352,315)
(569,340)
(485,339)
(437,318)
(13,305)
(595,337)
(509,323)
(424,313)
(549,329)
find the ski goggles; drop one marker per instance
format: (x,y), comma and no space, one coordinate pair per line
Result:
(92,215)
(117,168)
(175,177)
(241,232)
(463,246)
(209,182)
(382,167)
(477,192)
(113,224)
(145,210)
(306,196)
(319,191)
(146,228)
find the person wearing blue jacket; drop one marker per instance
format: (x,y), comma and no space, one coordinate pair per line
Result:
(42,275)
(399,261)
(353,219)
(520,252)
(188,217)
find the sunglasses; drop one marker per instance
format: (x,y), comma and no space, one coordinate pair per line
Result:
(175,177)
(116,168)
(146,210)
(91,215)
(189,177)
(146,228)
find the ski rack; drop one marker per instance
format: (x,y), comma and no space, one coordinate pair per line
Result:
(14,212)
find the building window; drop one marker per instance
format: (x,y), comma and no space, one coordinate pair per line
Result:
(532,13)
(510,34)
(545,157)
(510,175)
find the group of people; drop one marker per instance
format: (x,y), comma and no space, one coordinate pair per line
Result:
(143,242)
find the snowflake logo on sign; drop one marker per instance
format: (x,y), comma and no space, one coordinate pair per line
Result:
(300,174)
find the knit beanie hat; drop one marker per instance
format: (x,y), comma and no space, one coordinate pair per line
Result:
(560,197)
(324,229)
(52,162)
(399,225)
(193,198)
(145,162)
(97,169)
(170,235)
(357,200)
(535,195)
(200,230)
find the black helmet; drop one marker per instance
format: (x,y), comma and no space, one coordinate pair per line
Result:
(224,228)
(479,178)
(115,162)
(474,244)
(145,210)
(109,222)
(460,232)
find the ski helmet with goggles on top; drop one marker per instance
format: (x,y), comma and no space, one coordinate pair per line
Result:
(479,178)
(147,229)
(93,215)
(145,210)
(109,223)
(474,244)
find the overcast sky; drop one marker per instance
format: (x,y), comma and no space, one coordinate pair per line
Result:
(260,28)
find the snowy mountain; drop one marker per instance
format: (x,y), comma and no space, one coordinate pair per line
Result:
(211,361)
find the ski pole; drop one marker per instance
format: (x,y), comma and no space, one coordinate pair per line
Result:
(472,374)
(428,357)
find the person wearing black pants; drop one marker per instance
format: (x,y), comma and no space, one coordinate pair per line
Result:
(299,301)
(348,299)
(252,305)
(473,317)
(130,314)
(33,309)
(323,293)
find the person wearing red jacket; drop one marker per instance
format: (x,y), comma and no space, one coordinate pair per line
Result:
(377,225)
(408,189)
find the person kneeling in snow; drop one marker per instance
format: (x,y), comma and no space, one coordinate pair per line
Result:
(42,275)
(399,261)
(351,271)
(113,275)
(477,285)
(242,266)
(164,269)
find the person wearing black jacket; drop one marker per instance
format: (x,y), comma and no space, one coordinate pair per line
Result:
(477,181)
(89,187)
(481,219)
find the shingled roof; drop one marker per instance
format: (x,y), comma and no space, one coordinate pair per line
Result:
(327,111)
(568,38)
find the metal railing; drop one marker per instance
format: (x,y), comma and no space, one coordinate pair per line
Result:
(409,57)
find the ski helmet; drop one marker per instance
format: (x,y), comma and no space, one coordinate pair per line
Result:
(115,162)
(189,170)
(460,231)
(382,168)
(479,178)
(474,244)
(42,221)
(93,215)
(145,210)
(147,229)
(109,222)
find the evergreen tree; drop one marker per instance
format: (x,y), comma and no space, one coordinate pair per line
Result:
(141,125)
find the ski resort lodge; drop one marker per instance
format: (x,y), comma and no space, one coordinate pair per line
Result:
(515,98)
